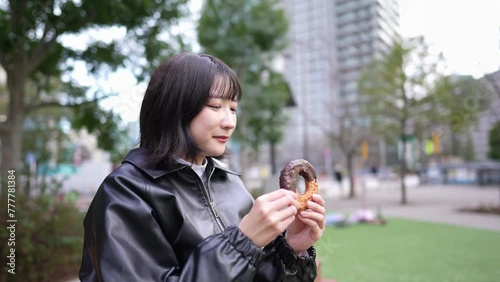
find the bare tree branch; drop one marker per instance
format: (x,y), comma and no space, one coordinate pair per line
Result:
(49,104)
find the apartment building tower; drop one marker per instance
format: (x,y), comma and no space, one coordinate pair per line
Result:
(331,41)
(487,119)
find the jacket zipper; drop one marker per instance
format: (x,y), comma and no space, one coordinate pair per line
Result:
(212,203)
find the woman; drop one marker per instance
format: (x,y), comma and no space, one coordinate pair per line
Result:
(172,212)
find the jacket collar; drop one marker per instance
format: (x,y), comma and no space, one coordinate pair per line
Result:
(138,157)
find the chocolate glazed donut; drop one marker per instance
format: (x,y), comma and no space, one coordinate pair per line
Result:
(288,180)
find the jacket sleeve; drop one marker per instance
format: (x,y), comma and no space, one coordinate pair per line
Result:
(279,263)
(123,242)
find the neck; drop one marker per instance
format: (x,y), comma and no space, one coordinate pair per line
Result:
(196,161)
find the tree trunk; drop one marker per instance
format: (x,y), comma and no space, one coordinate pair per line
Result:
(243,163)
(403,168)
(350,173)
(273,157)
(456,148)
(12,137)
(403,150)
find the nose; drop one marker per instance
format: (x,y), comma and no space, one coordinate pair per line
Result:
(228,119)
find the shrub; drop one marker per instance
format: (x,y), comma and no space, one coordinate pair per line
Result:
(48,240)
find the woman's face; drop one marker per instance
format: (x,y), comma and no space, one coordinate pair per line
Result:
(213,126)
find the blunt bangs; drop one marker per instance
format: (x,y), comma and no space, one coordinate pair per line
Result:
(226,86)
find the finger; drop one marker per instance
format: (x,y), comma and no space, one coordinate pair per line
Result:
(315,227)
(309,222)
(281,219)
(318,199)
(280,199)
(274,217)
(287,212)
(314,206)
(312,215)
(284,202)
(286,222)
(272,196)
(317,218)
(265,202)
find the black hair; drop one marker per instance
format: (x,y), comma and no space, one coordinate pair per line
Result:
(177,91)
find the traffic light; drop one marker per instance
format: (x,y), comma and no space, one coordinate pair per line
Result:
(364,150)
(435,140)
(429,147)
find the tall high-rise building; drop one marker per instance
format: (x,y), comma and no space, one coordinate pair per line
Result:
(487,119)
(330,43)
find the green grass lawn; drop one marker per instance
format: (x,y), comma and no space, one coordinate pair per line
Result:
(409,251)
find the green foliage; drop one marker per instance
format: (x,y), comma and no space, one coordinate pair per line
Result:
(266,119)
(468,152)
(494,142)
(34,49)
(47,128)
(48,241)
(456,102)
(105,126)
(32,28)
(242,33)
(394,86)
(247,35)
(43,133)
(393,89)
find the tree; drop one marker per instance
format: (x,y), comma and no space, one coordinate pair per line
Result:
(393,87)
(468,152)
(494,142)
(348,137)
(49,142)
(267,119)
(31,47)
(494,83)
(247,35)
(455,102)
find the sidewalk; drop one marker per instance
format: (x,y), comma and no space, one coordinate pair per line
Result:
(432,203)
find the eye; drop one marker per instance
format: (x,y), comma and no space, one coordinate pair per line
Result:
(234,107)
(215,107)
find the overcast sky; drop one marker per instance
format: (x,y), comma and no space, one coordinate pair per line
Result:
(466,31)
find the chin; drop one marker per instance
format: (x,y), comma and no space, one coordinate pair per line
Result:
(218,154)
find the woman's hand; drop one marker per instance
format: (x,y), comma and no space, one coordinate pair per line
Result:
(270,215)
(308,226)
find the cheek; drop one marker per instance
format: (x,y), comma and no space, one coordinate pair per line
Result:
(194,127)
(200,124)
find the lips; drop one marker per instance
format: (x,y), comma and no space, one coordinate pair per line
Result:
(222,139)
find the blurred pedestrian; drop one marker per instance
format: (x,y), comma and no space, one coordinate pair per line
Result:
(338,173)
(173,212)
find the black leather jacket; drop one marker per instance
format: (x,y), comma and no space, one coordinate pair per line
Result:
(164,225)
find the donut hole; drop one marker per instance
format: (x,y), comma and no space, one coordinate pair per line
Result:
(301,184)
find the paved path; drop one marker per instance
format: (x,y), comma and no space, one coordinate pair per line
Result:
(431,203)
